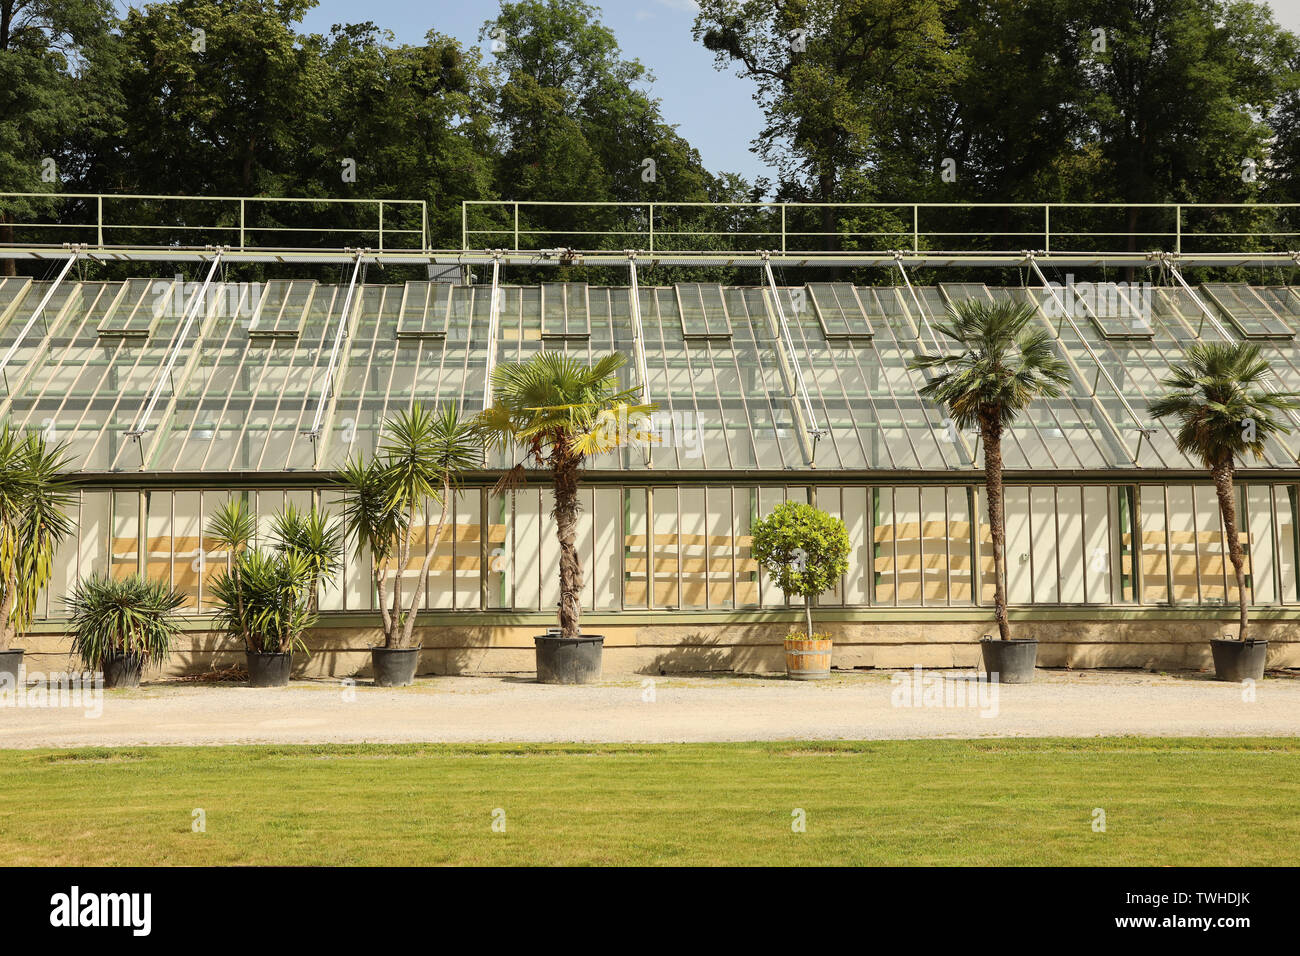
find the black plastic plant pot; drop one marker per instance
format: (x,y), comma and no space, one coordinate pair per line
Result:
(1012,661)
(395,666)
(123,671)
(269,670)
(568,660)
(1237,661)
(11,663)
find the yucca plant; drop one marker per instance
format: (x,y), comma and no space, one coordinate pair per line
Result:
(34,500)
(115,618)
(263,598)
(1218,397)
(267,598)
(318,541)
(385,500)
(1001,367)
(559,412)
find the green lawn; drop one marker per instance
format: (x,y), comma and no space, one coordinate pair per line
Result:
(1218,802)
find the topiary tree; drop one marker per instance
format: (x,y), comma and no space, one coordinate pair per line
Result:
(805,550)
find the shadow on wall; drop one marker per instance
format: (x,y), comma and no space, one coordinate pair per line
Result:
(702,653)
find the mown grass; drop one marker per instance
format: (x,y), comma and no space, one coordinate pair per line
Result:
(1003,802)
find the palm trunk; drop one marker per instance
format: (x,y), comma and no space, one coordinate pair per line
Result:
(565,467)
(991,433)
(408,631)
(1222,475)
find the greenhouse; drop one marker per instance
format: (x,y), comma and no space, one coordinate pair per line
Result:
(174,395)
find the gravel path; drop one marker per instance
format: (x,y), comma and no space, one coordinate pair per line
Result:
(670,709)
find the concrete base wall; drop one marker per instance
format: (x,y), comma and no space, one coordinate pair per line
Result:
(667,646)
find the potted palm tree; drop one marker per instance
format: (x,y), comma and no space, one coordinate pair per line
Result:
(1000,367)
(34,501)
(805,550)
(559,412)
(1218,397)
(121,626)
(264,598)
(386,510)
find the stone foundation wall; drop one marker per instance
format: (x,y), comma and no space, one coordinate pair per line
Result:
(668,646)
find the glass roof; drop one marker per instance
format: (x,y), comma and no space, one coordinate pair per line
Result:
(273,377)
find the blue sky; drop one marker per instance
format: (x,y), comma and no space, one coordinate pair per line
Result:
(713,110)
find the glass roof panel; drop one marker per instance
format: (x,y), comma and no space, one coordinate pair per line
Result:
(247,381)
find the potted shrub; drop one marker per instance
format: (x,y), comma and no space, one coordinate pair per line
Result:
(560,412)
(34,501)
(805,551)
(1001,366)
(121,626)
(265,598)
(384,508)
(1218,397)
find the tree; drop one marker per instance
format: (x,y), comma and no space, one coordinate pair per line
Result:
(805,551)
(560,412)
(1217,394)
(832,78)
(1176,101)
(422,461)
(56,81)
(34,500)
(575,124)
(1001,367)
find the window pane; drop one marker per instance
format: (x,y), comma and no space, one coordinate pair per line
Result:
(1069,517)
(1020,588)
(1042,504)
(1263,560)
(693,542)
(934,544)
(501,552)
(907,544)
(959,550)
(860,552)
(1096,545)
(635,548)
(1155,548)
(883,563)
(528,525)
(665,552)
(1211,551)
(1182,544)
(744,503)
(721,548)
(608,514)
(468,545)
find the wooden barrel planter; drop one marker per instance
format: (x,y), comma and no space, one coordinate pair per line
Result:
(807,660)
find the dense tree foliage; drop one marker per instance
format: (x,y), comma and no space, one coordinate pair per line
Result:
(1124,101)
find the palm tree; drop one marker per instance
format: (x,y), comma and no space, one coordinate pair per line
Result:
(1002,367)
(422,461)
(1218,397)
(560,412)
(34,502)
